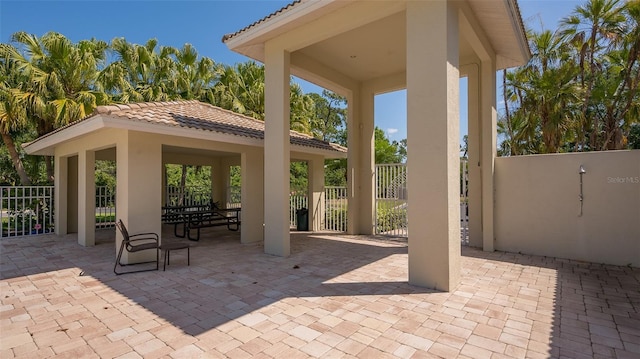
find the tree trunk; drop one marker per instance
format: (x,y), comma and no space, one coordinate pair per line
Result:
(15,158)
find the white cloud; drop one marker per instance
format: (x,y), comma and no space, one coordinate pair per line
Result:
(391,131)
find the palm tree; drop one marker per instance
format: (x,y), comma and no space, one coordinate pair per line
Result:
(194,77)
(622,77)
(544,95)
(241,89)
(140,73)
(61,80)
(593,28)
(12,111)
(302,108)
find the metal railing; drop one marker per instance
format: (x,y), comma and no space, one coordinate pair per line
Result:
(187,195)
(29,210)
(464,201)
(335,204)
(234,197)
(26,210)
(296,201)
(391,200)
(105,207)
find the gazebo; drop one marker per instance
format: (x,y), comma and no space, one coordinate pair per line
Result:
(362,48)
(142,138)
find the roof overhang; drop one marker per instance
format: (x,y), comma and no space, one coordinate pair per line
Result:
(46,145)
(337,44)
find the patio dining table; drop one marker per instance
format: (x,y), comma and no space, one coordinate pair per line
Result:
(197,217)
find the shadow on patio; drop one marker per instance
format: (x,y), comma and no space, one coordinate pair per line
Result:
(334,295)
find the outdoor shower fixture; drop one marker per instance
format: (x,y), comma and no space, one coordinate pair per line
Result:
(581,197)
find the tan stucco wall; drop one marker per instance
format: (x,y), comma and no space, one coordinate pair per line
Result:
(538,207)
(72,196)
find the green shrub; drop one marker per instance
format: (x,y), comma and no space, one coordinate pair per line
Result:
(388,219)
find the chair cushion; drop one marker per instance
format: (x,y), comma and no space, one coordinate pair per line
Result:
(141,246)
(175,245)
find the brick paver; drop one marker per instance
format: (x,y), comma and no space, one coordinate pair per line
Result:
(335,296)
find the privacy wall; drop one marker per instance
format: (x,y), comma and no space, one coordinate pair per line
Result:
(538,208)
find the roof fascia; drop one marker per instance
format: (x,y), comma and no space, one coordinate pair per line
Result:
(317,151)
(258,31)
(325,24)
(518,29)
(45,146)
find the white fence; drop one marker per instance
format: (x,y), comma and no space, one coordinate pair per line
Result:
(391,200)
(105,207)
(296,201)
(234,197)
(392,195)
(26,210)
(29,210)
(464,201)
(187,196)
(335,205)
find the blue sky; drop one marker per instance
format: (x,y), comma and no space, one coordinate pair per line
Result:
(203,23)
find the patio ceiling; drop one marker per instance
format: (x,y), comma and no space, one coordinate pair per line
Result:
(371,44)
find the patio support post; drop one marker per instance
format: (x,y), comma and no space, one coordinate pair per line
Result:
(61,187)
(139,184)
(433,142)
(86,198)
(489,143)
(316,193)
(218,188)
(276,150)
(252,167)
(225,178)
(164,184)
(473,152)
(360,162)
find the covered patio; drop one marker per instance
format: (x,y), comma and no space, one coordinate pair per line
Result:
(335,296)
(362,48)
(142,138)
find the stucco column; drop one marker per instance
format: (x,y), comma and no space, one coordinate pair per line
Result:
(86,198)
(473,153)
(164,184)
(433,143)
(225,180)
(276,151)
(360,162)
(139,184)
(218,188)
(316,193)
(252,167)
(488,147)
(60,194)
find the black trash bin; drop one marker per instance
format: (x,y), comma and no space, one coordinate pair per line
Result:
(302,219)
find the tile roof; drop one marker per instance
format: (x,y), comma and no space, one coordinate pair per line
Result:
(200,116)
(266,18)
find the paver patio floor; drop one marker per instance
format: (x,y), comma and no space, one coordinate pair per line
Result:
(335,296)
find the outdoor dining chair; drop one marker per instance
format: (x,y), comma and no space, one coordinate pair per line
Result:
(136,243)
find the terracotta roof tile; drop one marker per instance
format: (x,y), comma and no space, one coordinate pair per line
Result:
(199,116)
(266,18)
